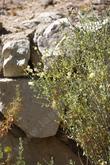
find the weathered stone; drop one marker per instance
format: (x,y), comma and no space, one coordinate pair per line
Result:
(41,150)
(52,35)
(16,36)
(30,24)
(16,54)
(49,40)
(48,17)
(45,19)
(39,23)
(33,119)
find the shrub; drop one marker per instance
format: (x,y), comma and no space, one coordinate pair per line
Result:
(20,158)
(5,154)
(11,113)
(77,84)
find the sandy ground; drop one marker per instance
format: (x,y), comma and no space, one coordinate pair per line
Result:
(15,11)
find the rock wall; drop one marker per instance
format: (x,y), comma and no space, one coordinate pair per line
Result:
(18,51)
(37,125)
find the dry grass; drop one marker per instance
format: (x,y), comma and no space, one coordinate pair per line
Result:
(11,114)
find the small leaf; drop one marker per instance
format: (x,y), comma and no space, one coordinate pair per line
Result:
(7,149)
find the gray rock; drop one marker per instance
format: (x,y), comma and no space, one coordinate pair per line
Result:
(40,150)
(49,40)
(52,35)
(30,24)
(32,118)
(48,17)
(45,3)
(45,18)
(16,54)
(40,18)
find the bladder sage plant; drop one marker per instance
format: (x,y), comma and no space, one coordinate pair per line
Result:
(77,85)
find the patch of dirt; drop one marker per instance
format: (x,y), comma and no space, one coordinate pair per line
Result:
(16,11)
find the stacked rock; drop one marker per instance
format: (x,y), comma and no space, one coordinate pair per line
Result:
(45,3)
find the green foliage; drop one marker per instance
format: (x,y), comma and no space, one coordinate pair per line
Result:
(20,158)
(51,161)
(71,162)
(5,152)
(77,84)
(11,113)
(1,152)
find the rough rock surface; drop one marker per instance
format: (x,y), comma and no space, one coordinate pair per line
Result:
(16,54)
(41,21)
(49,40)
(52,35)
(41,150)
(13,61)
(33,119)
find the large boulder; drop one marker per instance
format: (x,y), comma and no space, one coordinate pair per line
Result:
(38,24)
(41,150)
(50,38)
(32,118)
(40,19)
(48,17)
(52,35)
(16,55)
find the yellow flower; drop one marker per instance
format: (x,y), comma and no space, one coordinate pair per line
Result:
(68,75)
(91,75)
(7,149)
(54,104)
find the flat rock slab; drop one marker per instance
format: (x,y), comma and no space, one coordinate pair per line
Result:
(32,118)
